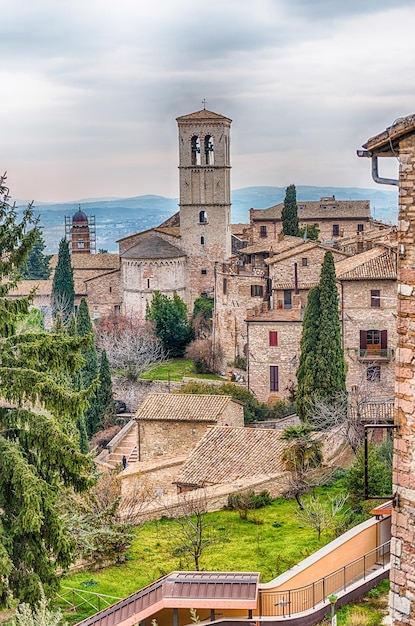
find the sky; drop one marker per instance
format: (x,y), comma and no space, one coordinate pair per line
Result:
(91,89)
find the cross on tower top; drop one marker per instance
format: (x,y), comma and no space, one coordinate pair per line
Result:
(204,103)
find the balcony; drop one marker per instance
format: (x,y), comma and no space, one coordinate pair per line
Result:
(375,354)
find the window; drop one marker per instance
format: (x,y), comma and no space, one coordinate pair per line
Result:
(273,378)
(225,286)
(195,150)
(202,240)
(373,373)
(95,315)
(117,309)
(203,271)
(81,244)
(110,289)
(375,297)
(360,228)
(288,299)
(273,338)
(336,230)
(202,217)
(324,207)
(209,154)
(148,283)
(301,208)
(262,231)
(334,207)
(373,342)
(304,261)
(257,290)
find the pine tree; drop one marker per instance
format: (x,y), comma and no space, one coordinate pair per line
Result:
(89,372)
(289,213)
(63,287)
(171,323)
(322,369)
(37,264)
(37,456)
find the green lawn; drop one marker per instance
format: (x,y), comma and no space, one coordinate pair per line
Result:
(174,370)
(270,542)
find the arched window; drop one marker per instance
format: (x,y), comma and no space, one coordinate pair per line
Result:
(195,150)
(209,153)
(202,217)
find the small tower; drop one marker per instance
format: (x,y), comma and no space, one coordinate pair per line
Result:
(80,233)
(205,196)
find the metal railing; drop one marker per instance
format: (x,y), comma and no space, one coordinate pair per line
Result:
(83,600)
(291,601)
(380,354)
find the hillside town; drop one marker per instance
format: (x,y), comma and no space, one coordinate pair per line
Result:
(178,453)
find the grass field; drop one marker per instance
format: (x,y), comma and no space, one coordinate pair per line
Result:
(174,370)
(271,541)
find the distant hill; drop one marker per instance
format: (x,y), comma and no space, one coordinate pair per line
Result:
(119,217)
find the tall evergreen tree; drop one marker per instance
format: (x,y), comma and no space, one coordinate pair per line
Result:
(322,368)
(63,287)
(331,373)
(171,323)
(289,213)
(89,372)
(105,395)
(308,365)
(37,265)
(37,456)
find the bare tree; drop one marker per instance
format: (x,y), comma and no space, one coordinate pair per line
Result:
(321,514)
(350,413)
(130,344)
(192,533)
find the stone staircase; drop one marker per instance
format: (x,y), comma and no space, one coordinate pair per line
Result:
(124,443)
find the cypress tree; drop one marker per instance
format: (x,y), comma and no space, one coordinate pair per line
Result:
(308,365)
(63,287)
(89,371)
(38,458)
(105,395)
(331,372)
(322,369)
(289,213)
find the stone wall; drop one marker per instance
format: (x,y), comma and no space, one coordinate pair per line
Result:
(103,294)
(262,356)
(402,598)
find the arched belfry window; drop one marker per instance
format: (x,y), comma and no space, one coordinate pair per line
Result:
(202,217)
(195,150)
(209,153)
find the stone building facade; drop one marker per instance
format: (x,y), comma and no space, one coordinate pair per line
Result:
(398,140)
(334,219)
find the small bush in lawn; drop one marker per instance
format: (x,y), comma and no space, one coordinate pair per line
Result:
(247,501)
(276,524)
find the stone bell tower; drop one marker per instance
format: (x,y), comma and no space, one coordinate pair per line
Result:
(205,196)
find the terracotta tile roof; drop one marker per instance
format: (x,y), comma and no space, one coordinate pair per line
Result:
(377,263)
(226,454)
(90,261)
(183,407)
(346,209)
(153,247)
(374,411)
(173,231)
(204,114)
(278,247)
(43,288)
(300,249)
(287,284)
(402,126)
(369,235)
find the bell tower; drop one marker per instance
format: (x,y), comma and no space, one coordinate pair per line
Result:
(205,196)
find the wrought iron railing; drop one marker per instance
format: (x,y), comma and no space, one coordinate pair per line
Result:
(291,601)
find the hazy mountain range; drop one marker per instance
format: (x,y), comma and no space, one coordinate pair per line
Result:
(119,217)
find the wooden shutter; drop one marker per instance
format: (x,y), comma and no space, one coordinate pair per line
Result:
(383,339)
(363,340)
(273,378)
(273,338)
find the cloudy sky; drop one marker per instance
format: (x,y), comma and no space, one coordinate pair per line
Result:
(90,90)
